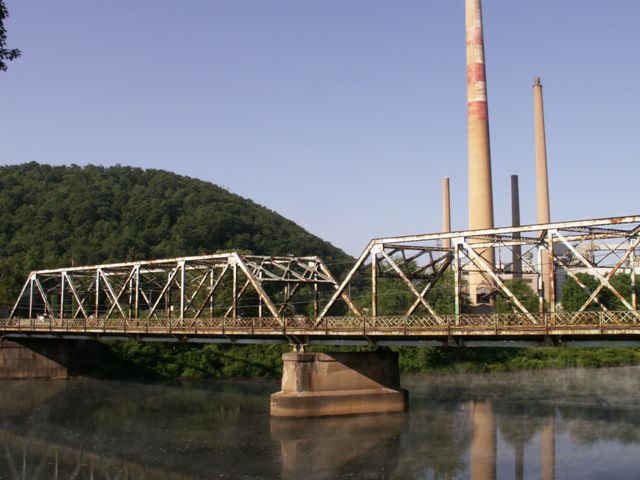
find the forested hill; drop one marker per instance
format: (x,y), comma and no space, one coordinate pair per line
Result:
(61,216)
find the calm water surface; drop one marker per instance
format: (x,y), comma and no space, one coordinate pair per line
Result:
(555,424)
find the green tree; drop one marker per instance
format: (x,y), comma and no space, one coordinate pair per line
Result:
(573,296)
(63,216)
(6,54)
(622,283)
(395,298)
(442,296)
(523,292)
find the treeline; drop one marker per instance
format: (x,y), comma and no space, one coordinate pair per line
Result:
(135,360)
(394,298)
(55,216)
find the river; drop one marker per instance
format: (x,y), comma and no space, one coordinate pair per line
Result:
(546,424)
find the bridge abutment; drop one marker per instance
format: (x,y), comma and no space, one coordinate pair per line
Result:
(330,384)
(45,359)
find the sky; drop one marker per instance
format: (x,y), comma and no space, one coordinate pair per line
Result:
(342,115)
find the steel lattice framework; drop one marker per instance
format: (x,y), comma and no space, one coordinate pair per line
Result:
(227,297)
(178,288)
(611,243)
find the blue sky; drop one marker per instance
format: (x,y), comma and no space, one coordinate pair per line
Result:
(342,115)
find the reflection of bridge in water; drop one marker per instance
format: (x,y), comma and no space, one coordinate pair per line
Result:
(260,299)
(31,458)
(461,426)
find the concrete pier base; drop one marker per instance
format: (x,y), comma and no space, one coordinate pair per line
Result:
(328,384)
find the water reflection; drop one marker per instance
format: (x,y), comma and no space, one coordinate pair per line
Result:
(331,447)
(569,424)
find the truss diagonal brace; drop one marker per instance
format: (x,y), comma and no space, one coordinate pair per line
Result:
(596,274)
(610,275)
(115,299)
(24,288)
(257,285)
(212,290)
(172,275)
(443,268)
(44,296)
(486,268)
(559,261)
(408,283)
(341,288)
(74,292)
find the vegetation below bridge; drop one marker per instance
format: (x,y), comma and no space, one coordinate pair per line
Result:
(135,360)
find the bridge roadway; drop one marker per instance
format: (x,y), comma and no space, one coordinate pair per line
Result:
(597,328)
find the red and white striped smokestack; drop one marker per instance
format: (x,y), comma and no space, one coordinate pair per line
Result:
(480,187)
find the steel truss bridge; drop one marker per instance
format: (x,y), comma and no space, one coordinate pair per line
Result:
(238,298)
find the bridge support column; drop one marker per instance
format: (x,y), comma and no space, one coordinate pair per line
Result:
(45,359)
(329,384)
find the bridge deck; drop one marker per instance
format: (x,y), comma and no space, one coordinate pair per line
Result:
(585,326)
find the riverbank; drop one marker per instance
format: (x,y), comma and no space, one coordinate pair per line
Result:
(134,360)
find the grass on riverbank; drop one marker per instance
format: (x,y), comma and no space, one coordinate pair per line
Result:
(136,360)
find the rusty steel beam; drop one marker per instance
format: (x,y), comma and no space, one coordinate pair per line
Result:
(475,327)
(409,284)
(597,274)
(610,275)
(487,269)
(632,220)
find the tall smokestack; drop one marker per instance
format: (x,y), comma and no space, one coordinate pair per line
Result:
(542,184)
(480,188)
(515,221)
(542,177)
(446,211)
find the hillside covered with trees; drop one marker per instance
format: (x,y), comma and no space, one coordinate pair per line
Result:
(54,216)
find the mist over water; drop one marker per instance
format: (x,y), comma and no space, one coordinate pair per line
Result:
(548,424)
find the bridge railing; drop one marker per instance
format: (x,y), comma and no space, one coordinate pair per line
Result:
(504,323)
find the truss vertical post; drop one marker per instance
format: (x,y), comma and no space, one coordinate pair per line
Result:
(634,290)
(167,297)
(234,305)
(136,305)
(287,294)
(259,297)
(540,280)
(182,291)
(130,302)
(61,296)
(552,273)
(211,286)
(456,279)
(31,297)
(316,293)
(97,305)
(374,283)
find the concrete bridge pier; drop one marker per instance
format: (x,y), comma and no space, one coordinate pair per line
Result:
(330,384)
(45,359)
